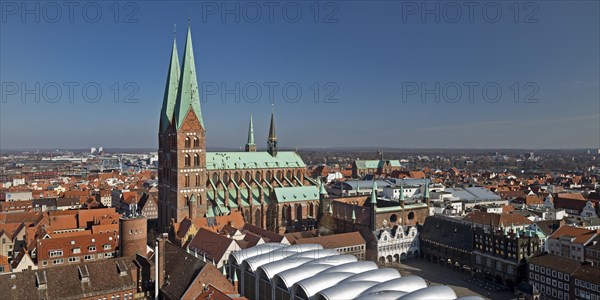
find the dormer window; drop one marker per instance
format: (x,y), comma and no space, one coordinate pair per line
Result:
(84,273)
(56,253)
(41,280)
(122,268)
(92,248)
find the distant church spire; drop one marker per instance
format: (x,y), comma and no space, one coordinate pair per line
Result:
(170,98)
(272,141)
(187,94)
(250,145)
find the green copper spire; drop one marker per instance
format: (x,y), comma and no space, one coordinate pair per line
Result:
(353,215)
(168,105)
(374,193)
(401,191)
(426,191)
(322,190)
(251,132)
(330,210)
(187,93)
(235,279)
(224,271)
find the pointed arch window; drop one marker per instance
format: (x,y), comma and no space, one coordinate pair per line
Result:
(187,160)
(197,179)
(196,160)
(187,142)
(196,142)
(187,180)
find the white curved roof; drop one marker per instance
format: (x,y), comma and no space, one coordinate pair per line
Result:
(321,281)
(405,284)
(335,260)
(256,261)
(312,268)
(343,291)
(273,268)
(384,295)
(353,267)
(322,273)
(439,292)
(378,275)
(241,255)
(292,276)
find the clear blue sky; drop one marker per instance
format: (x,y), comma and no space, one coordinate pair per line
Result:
(371,51)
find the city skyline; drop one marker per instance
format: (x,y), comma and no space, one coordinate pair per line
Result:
(343,57)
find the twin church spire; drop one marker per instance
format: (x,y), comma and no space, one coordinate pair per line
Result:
(271,141)
(182,95)
(181,92)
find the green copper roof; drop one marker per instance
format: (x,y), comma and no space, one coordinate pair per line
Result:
(168,105)
(298,193)
(252,160)
(394,163)
(187,93)
(374,193)
(210,212)
(367,164)
(399,208)
(375,163)
(251,132)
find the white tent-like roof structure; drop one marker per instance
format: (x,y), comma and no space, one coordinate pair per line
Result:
(311,272)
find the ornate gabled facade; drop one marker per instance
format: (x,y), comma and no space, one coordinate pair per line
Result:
(270,187)
(395,244)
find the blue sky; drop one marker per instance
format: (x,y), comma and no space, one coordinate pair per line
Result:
(368,55)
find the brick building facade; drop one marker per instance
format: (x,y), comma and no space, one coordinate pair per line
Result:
(195,183)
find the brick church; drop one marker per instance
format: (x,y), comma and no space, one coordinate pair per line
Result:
(270,188)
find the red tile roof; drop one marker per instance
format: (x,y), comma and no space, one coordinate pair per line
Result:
(581,235)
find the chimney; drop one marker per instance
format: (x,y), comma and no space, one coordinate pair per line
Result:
(160,263)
